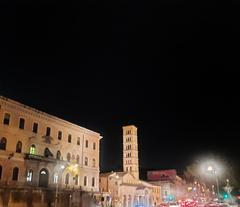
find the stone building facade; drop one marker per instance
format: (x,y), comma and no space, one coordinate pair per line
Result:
(40,150)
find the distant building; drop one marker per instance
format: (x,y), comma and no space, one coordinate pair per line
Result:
(125,188)
(172,186)
(40,150)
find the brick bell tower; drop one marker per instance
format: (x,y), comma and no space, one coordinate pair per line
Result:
(130,150)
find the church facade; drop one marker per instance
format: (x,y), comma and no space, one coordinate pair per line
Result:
(41,150)
(125,188)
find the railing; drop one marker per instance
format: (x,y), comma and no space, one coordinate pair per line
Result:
(40,158)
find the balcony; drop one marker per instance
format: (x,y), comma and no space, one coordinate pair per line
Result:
(42,158)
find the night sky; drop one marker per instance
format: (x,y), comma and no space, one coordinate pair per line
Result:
(168,67)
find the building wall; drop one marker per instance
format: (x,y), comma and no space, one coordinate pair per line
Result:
(27,137)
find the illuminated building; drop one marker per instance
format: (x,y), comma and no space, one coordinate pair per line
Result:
(35,145)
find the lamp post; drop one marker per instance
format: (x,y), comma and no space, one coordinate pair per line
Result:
(214,172)
(62,167)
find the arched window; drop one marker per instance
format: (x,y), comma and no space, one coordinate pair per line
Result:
(86,161)
(0,172)
(68,157)
(76,180)
(3,143)
(32,150)
(15,174)
(29,175)
(93,162)
(19,147)
(58,155)
(93,182)
(85,181)
(77,159)
(67,179)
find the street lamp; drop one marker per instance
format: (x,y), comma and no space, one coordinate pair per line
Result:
(211,169)
(62,167)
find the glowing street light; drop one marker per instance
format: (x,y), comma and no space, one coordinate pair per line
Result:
(212,170)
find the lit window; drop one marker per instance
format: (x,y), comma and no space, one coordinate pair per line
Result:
(32,150)
(6,119)
(29,175)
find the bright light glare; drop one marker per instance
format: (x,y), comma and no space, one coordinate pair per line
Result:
(210,168)
(62,166)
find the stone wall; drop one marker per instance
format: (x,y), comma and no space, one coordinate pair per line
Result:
(10,197)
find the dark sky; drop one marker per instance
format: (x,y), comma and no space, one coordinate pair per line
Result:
(169,67)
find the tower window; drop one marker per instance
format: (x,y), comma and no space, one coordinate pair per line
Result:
(6,119)
(21,123)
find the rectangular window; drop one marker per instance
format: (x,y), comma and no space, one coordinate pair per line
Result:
(59,135)
(6,119)
(85,181)
(69,138)
(21,123)
(78,141)
(35,127)
(48,131)
(86,144)
(94,146)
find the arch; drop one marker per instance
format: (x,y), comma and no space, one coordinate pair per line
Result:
(19,147)
(77,159)
(15,173)
(58,156)
(3,143)
(47,152)
(32,150)
(68,157)
(43,178)
(67,179)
